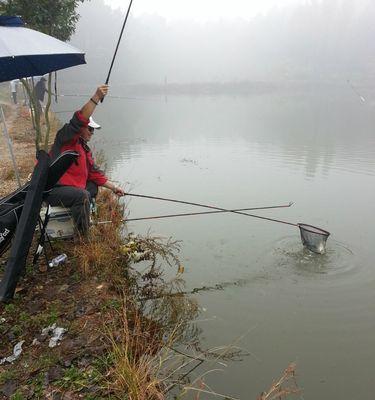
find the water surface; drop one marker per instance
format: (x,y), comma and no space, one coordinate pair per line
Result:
(279,301)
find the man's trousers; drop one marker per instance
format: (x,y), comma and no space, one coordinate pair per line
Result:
(78,200)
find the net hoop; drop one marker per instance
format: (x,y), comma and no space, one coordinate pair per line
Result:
(313,229)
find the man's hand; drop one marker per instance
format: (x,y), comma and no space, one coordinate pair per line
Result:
(100,93)
(115,189)
(118,191)
(98,96)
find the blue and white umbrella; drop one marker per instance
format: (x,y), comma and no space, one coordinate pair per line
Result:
(25,52)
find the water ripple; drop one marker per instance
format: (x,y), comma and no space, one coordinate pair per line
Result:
(289,259)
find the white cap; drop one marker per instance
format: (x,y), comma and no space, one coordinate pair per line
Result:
(93,124)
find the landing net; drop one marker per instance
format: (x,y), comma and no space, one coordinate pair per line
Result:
(313,238)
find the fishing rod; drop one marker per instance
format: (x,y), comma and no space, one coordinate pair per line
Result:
(313,237)
(108,96)
(208,206)
(199,213)
(209,212)
(118,43)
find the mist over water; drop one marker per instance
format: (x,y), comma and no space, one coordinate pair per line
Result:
(183,126)
(326,41)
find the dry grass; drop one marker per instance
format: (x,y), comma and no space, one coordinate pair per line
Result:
(143,329)
(284,386)
(154,317)
(144,364)
(100,252)
(136,368)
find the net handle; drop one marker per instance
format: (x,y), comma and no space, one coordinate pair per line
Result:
(206,212)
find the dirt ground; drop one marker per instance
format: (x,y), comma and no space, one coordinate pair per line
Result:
(69,370)
(60,295)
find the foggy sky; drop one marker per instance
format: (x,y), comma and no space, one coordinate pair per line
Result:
(203,9)
(314,40)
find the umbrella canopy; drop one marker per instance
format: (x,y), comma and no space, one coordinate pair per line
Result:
(25,52)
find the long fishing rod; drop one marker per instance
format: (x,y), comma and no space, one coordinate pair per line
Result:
(208,206)
(118,42)
(199,213)
(313,237)
(108,96)
(208,212)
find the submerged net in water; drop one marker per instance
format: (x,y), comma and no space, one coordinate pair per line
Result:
(313,238)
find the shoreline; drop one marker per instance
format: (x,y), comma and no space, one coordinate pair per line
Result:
(93,295)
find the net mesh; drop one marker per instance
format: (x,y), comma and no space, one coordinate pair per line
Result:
(313,238)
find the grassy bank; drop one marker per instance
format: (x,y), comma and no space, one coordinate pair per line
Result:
(116,342)
(113,335)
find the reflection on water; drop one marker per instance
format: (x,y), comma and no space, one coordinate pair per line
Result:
(314,148)
(313,130)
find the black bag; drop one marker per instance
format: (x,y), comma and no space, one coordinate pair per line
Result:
(19,213)
(9,217)
(11,206)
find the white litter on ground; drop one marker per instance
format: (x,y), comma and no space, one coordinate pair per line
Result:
(57,334)
(17,350)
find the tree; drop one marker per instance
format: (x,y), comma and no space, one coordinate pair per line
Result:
(57,18)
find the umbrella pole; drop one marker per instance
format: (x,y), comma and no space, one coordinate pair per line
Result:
(10,146)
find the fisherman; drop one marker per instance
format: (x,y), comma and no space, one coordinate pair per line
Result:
(79,185)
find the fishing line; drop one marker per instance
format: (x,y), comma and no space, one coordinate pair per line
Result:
(109,96)
(66,112)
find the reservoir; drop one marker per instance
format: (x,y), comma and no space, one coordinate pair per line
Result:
(279,302)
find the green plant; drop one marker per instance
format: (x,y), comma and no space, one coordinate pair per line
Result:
(17,396)
(53,314)
(17,330)
(24,317)
(53,17)
(10,308)
(75,378)
(37,384)
(6,376)
(111,304)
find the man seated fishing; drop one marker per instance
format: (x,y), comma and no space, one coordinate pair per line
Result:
(79,185)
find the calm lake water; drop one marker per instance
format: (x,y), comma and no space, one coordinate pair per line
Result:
(279,302)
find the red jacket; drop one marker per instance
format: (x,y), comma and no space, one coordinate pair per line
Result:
(68,138)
